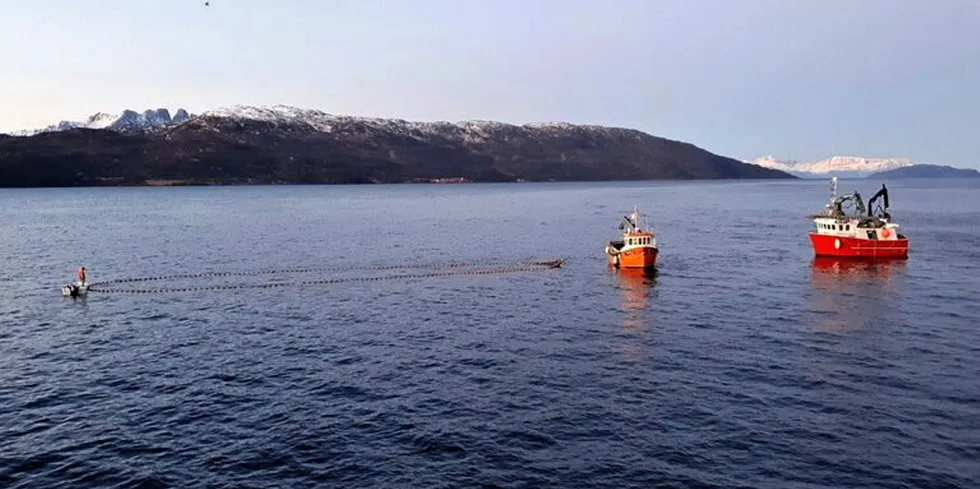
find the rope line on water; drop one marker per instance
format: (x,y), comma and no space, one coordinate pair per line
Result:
(525,267)
(284,271)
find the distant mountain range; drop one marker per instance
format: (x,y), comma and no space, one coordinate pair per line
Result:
(927,171)
(125,121)
(281,144)
(840,166)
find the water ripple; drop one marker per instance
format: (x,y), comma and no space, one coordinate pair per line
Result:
(742,363)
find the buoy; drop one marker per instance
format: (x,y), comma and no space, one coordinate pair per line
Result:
(885,233)
(836,243)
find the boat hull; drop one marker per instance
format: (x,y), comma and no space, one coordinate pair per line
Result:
(850,247)
(633,258)
(74,290)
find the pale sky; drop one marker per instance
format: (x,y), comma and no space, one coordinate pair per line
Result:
(802,79)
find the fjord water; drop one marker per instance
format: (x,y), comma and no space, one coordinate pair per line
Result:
(742,363)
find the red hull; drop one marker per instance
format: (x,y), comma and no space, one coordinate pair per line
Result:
(839,246)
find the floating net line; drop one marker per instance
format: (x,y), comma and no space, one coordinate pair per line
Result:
(441,270)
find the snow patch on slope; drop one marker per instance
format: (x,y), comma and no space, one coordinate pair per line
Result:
(472,130)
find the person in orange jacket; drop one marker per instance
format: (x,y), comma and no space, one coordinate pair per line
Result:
(81,276)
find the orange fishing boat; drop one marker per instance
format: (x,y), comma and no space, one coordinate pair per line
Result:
(638,246)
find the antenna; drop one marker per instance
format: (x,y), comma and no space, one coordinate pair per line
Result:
(833,188)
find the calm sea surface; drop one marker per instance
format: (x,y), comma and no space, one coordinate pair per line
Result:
(742,363)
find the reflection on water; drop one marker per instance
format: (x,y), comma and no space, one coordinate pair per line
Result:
(835,270)
(849,294)
(635,287)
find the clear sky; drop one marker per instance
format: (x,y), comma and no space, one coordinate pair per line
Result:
(803,79)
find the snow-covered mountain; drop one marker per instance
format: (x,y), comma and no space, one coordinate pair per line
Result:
(316,119)
(125,121)
(281,144)
(472,131)
(836,165)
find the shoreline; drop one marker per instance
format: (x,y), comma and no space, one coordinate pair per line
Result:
(169,183)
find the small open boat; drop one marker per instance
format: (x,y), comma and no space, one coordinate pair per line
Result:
(74,289)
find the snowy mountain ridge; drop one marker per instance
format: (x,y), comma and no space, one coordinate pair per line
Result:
(834,164)
(152,120)
(125,121)
(327,122)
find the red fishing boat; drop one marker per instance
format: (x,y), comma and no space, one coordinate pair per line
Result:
(637,248)
(857,232)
